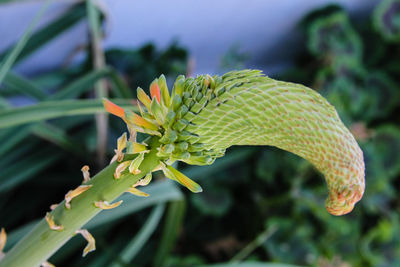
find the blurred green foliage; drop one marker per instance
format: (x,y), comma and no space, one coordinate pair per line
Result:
(259,204)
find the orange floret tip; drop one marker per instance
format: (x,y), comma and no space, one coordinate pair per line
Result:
(113,108)
(155,91)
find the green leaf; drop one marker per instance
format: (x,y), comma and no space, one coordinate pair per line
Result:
(172,224)
(81,85)
(49,32)
(54,109)
(27,167)
(13,53)
(140,239)
(24,86)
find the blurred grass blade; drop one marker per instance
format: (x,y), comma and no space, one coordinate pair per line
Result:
(81,85)
(27,167)
(58,137)
(55,109)
(12,136)
(160,192)
(4,104)
(24,86)
(258,241)
(131,250)
(121,89)
(172,224)
(12,55)
(49,32)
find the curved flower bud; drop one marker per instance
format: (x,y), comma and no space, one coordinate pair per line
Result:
(206,115)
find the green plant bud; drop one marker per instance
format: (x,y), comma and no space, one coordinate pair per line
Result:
(164,90)
(189,116)
(169,136)
(170,118)
(168,148)
(196,147)
(200,160)
(178,86)
(180,125)
(196,108)
(182,111)
(181,146)
(157,111)
(176,102)
(182,155)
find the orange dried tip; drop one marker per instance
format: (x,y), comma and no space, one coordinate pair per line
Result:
(74,193)
(143,97)
(91,246)
(107,206)
(3,239)
(86,174)
(54,206)
(113,108)
(47,264)
(155,91)
(52,224)
(120,168)
(137,192)
(141,122)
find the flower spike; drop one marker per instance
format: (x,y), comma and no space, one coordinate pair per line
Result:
(74,193)
(107,206)
(52,224)
(91,246)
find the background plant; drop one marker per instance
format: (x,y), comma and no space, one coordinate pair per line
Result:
(257,196)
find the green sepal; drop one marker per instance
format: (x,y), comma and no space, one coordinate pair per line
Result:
(179,177)
(178,86)
(135,164)
(157,111)
(169,136)
(162,82)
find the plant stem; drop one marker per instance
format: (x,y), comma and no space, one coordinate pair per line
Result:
(38,245)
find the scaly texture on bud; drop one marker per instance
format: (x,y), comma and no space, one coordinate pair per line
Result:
(206,115)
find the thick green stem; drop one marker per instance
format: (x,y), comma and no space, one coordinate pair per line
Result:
(42,242)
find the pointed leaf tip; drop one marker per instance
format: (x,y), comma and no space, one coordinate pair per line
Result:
(143,97)
(113,108)
(155,91)
(176,175)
